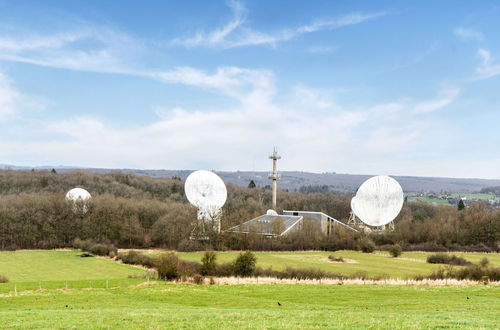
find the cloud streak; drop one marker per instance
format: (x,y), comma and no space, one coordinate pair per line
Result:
(236,32)
(468,34)
(487,68)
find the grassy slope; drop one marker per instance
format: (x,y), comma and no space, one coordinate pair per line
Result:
(374,264)
(240,306)
(53,265)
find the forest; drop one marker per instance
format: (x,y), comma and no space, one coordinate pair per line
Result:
(131,211)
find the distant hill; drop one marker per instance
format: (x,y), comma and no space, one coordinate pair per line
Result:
(293,180)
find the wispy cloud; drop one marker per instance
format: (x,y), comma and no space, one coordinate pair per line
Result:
(87,48)
(9,98)
(487,68)
(236,32)
(444,98)
(468,34)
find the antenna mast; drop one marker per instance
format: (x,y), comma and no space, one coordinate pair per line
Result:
(274,175)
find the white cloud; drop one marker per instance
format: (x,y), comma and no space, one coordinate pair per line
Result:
(487,68)
(445,97)
(468,34)
(10,98)
(87,48)
(236,33)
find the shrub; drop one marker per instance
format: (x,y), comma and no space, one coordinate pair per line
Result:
(136,258)
(167,267)
(443,258)
(188,245)
(208,263)
(198,279)
(367,245)
(471,272)
(335,259)
(244,265)
(3,279)
(103,249)
(224,270)
(395,250)
(484,262)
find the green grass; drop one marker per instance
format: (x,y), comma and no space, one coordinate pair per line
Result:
(431,200)
(255,307)
(57,265)
(372,264)
(477,196)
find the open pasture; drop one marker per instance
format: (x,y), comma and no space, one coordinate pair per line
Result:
(165,305)
(60,265)
(378,264)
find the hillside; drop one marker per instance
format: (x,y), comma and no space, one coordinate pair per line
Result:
(293,180)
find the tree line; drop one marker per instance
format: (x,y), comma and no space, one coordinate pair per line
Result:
(132,211)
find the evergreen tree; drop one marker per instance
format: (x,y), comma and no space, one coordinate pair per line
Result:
(251,184)
(461,205)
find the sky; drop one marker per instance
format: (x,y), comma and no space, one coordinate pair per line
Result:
(364,87)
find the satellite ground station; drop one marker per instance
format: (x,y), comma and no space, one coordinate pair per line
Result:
(376,204)
(207,192)
(273,224)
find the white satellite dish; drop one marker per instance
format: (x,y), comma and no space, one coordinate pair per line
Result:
(78,194)
(205,190)
(378,201)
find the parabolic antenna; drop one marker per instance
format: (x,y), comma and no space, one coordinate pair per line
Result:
(378,201)
(78,194)
(205,190)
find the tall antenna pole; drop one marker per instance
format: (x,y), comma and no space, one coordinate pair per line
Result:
(275,176)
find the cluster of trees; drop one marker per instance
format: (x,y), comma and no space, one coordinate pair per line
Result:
(134,212)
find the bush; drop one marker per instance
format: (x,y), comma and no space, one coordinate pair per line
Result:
(484,262)
(395,250)
(167,267)
(366,245)
(471,272)
(335,259)
(244,265)
(100,249)
(443,258)
(3,279)
(208,263)
(136,258)
(103,249)
(198,279)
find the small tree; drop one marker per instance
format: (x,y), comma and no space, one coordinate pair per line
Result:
(244,265)
(461,205)
(53,171)
(367,245)
(251,184)
(208,263)
(167,267)
(395,250)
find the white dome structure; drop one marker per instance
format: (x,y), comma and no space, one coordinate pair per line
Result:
(78,194)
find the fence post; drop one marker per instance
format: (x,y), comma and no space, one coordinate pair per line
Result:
(39,285)
(15,289)
(66,285)
(106,284)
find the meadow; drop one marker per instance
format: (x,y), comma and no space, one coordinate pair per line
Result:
(59,289)
(166,305)
(378,264)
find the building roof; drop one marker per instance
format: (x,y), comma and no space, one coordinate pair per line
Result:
(267,224)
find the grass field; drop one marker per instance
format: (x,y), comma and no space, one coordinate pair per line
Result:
(96,293)
(371,264)
(60,265)
(431,200)
(255,307)
(477,196)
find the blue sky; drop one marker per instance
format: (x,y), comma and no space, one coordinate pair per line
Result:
(372,87)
